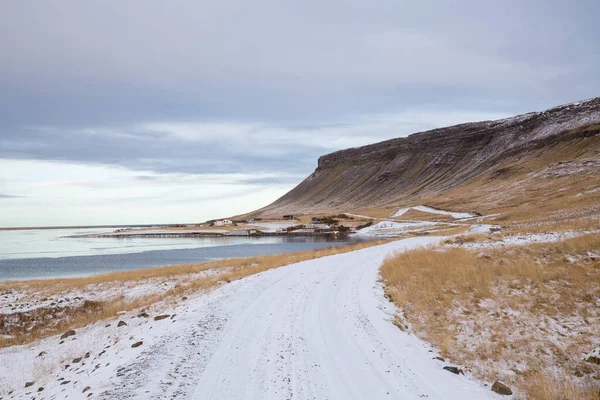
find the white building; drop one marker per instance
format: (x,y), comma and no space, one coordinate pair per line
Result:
(223,222)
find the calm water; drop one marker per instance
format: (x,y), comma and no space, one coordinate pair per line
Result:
(48,253)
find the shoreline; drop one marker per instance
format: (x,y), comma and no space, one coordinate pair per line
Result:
(205,234)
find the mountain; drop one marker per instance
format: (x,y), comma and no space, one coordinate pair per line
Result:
(542,164)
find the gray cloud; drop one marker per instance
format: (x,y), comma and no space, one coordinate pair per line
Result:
(278,83)
(8,196)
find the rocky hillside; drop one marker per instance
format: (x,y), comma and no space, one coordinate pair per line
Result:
(481,166)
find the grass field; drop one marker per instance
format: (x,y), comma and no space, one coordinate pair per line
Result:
(23,327)
(524,314)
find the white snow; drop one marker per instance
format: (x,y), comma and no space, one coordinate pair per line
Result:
(482,228)
(391,228)
(319,329)
(522,240)
(453,214)
(272,226)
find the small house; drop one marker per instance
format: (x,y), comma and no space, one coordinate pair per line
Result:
(223,222)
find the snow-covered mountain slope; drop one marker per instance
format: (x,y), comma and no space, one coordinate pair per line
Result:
(319,329)
(422,168)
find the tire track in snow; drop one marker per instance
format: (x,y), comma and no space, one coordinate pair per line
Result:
(319,329)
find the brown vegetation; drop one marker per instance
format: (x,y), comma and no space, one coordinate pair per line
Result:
(25,327)
(525,315)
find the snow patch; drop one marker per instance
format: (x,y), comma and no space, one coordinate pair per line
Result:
(391,228)
(453,214)
(315,329)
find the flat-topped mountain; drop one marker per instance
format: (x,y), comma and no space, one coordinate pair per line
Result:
(500,166)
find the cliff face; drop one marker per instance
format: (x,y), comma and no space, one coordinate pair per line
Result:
(425,165)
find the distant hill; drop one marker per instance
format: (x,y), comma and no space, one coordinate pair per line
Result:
(542,164)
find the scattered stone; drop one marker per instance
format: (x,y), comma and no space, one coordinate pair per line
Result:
(184,298)
(159,317)
(86,389)
(501,388)
(28,384)
(136,344)
(41,389)
(67,366)
(65,382)
(87,355)
(68,333)
(43,353)
(61,342)
(121,323)
(593,356)
(439,358)
(454,370)
(143,315)
(107,325)
(76,360)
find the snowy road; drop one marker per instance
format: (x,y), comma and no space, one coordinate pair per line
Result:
(319,329)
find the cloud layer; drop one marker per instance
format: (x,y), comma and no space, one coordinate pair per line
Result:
(210,89)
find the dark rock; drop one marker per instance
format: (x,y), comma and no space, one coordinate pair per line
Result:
(86,389)
(87,355)
(184,298)
(107,325)
(41,389)
(76,360)
(352,178)
(159,317)
(136,344)
(454,370)
(593,360)
(65,382)
(28,384)
(121,323)
(501,388)
(143,315)
(43,353)
(439,358)
(68,333)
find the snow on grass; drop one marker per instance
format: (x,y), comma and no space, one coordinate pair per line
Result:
(453,214)
(319,328)
(27,299)
(392,229)
(271,227)
(520,240)
(525,315)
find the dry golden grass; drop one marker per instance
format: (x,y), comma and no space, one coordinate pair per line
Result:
(376,213)
(416,215)
(574,224)
(528,310)
(44,322)
(526,190)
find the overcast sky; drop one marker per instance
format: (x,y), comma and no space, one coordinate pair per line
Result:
(144,111)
